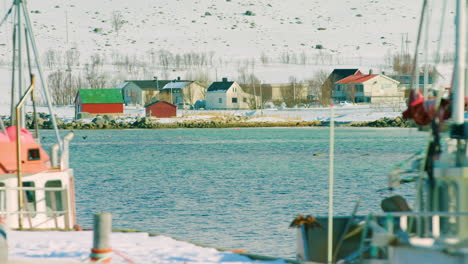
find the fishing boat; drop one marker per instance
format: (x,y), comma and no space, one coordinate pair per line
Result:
(36,186)
(435,230)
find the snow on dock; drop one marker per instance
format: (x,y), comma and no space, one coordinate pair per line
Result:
(74,247)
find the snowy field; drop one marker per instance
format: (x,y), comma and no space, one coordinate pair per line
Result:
(74,247)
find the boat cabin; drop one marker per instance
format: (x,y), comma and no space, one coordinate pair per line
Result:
(46,194)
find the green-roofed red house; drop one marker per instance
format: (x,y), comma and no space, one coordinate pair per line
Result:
(99,101)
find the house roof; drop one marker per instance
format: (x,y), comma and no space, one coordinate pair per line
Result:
(164,102)
(360,78)
(219,86)
(101,96)
(176,85)
(338,74)
(152,84)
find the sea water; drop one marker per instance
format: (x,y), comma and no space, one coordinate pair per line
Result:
(232,188)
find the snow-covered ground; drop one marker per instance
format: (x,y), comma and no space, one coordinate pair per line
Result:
(347,113)
(75,247)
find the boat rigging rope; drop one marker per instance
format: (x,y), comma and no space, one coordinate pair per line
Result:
(6,15)
(105,257)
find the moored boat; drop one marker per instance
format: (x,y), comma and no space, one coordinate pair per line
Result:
(435,230)
(36,187)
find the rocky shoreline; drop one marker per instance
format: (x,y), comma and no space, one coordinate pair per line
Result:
(107,122)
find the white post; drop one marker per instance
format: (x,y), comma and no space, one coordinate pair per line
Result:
(426,51)
(3,240)
(459,76)
(102,251)
(330,186)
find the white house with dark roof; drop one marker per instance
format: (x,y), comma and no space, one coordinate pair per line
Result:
(229,95)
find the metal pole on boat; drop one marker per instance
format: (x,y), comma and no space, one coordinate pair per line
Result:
(330,185)
(426,52)
(13,67)
(41,75)
(459,72)
(20,116)
(19,171)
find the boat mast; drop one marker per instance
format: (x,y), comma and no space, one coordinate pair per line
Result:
(22,26)
(458,90)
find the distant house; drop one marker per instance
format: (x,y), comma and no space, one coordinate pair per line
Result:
(327,87)
(229,95)
(368,88)
(142,92)
(99,101)
(161,109)
(294,92)
(179,92)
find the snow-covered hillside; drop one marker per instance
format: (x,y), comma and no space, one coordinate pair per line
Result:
(273,39)
(349,28)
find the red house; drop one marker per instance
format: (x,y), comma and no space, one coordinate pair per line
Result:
(161,109)
(99,101)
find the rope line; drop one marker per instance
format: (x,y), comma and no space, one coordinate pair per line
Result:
(124,257)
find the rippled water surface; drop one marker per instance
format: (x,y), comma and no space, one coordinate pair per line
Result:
(231,188)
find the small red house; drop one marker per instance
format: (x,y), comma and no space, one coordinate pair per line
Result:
(99,101)
(161,109)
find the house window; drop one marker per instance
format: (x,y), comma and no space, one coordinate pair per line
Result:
(220,100)
(245,100)
(54,201)
(234,100)
(359,88)
(386,86)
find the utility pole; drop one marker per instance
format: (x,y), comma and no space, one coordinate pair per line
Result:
(294,91)
(261,95)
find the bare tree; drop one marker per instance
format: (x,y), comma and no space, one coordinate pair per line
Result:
(150,96)
(264,58)
(287,95)
(118,21)
(316,88)
(64,86)
(351,93)
(51,58)
(94,78)
(250,84)
(403,64)
(200,76)
(72,58)
(165,96)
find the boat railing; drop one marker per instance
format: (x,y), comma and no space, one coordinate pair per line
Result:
(63,161)
(42,205)
(420,225)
